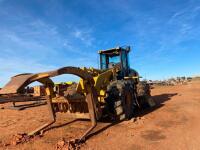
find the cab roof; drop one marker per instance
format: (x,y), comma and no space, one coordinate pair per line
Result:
(114,51)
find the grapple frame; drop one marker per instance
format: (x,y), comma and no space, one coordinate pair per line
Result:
(18,82)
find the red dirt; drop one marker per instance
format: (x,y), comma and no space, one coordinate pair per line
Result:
(173,124)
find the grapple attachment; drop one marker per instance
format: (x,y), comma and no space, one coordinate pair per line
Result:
(16,84)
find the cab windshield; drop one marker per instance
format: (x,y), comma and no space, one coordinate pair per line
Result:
(109,61)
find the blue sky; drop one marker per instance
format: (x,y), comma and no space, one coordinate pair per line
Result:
(40,35)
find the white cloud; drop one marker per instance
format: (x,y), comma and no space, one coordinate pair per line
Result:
(84,35)
(14,44)
(185,28)
(197,8)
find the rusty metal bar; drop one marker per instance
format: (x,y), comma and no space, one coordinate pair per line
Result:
(91,107)
(21,99)
(52,118)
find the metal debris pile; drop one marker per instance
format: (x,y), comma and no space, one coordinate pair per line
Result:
(68,145)
(171,81)
(20,138)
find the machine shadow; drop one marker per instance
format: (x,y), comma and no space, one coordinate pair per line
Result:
(26,106)
(159,100)
(61,125)
(102,129)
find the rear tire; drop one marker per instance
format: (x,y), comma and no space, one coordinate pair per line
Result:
(144,95)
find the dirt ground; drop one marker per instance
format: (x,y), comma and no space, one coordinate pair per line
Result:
(174,124)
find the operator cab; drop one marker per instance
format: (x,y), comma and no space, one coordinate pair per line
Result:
(115,56)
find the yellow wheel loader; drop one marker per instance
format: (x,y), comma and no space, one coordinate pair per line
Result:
(113,91)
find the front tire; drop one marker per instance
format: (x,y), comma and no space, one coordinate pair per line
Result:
(120,100)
